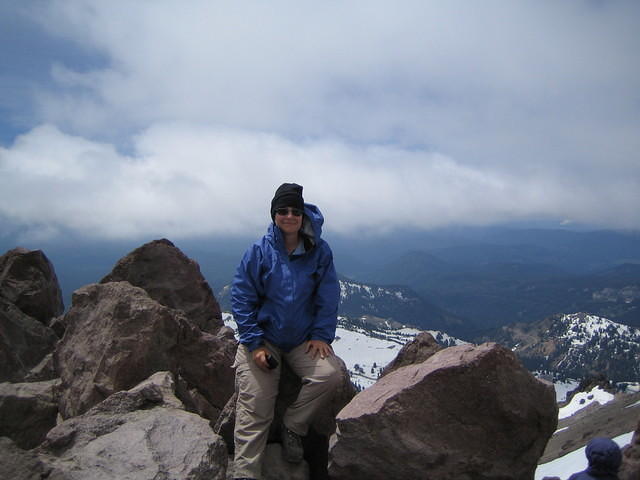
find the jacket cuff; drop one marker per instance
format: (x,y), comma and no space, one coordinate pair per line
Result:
(319,337)
(255,344)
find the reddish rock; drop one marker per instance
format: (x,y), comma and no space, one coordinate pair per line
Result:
(417,350)
(172,279)
(465,413)
(117,336)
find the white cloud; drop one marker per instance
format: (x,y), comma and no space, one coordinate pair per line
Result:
(414,114)
(184,179)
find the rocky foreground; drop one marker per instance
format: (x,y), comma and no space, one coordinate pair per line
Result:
(136,382)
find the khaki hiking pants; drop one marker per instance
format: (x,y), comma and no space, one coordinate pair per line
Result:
(257,392)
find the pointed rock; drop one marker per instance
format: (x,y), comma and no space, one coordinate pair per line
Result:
(172,279)
(417,350)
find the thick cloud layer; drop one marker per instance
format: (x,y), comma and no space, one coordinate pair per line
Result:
(418,114)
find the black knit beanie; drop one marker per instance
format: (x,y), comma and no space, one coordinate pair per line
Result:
(287,195)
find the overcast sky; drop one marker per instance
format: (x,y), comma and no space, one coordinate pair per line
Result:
(124,119)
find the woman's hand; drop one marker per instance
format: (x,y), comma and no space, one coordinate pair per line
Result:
(260,357)
(318,347)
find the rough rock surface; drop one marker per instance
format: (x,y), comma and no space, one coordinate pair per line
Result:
(136,435)
(172,279)
(630,469)
(28,411)
(467,412)
(417,350)
(42,372)
(28,280)
(24,342)
(19,464)
(117,336)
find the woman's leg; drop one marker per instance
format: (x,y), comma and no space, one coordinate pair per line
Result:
(257,392)
(320,378)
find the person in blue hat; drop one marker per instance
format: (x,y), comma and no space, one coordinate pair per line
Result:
(604,457)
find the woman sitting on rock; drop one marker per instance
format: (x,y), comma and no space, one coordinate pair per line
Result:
(284,299)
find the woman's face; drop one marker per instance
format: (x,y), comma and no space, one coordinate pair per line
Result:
(287,221)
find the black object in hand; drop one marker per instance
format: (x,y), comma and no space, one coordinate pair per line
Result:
(272,362)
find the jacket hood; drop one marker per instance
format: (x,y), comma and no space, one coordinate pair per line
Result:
(311,226)
(604,456)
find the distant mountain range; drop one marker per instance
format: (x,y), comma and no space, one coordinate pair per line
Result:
(461,280)
(574,346)
(397,305)
(495,294)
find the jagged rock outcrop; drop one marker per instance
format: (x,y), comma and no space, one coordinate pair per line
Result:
(172,279)
(45,370)
(28,411)
(24,342)
(117,335)
(465,413)
(630,469)
(138,434)
(28,280)
(417,350)
(316,443)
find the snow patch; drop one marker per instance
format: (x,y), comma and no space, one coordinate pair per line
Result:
(583,399)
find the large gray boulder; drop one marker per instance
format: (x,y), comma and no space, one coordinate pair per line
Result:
(467,412)
(24,342)
(139,434)
(172,279)
(28,280)
(28,411)
(117,336)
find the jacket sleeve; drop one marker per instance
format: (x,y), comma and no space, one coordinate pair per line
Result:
(327,299)
(246,294)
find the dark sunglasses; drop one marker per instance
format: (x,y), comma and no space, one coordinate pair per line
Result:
(285,211)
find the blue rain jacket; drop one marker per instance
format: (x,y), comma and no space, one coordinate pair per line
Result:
(287,300)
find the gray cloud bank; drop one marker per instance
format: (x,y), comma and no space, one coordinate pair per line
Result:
(416,114)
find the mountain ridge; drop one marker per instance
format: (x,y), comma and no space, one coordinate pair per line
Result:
(575,346)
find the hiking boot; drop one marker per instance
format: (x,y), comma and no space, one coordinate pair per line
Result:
(291,446)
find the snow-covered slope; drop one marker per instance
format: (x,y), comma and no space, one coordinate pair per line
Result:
(574,345)
(396,303)
(367,349)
